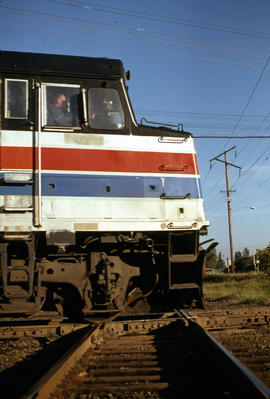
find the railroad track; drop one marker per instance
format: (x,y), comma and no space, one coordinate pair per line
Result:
(48,327)
(210,320)
(154,356)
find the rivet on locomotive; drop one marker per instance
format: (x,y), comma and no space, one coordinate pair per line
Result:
(96,210)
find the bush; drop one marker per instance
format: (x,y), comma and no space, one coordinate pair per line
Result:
(263,256)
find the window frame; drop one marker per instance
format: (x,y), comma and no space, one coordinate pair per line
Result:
(88,90)
(26,81)
(44,109)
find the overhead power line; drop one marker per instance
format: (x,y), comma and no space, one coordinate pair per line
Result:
(257,130)
(229,137)
(129,46)
(89,5)
(198,114)
(253,164)
(249,100)
(245,108)
(254,189)
(142,34)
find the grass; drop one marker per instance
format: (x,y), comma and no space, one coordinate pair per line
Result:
(237,288)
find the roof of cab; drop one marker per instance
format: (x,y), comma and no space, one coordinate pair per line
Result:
(54,64)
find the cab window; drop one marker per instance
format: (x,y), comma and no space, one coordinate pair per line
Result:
(105,109)
(62,105)
(16,99)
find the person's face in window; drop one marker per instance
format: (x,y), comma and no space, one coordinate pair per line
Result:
(108,103)
(60,100)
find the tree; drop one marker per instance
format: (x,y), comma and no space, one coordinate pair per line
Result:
(243,262)
(237,257)
(211,259)
(246,253)
(220,261)
(263,256)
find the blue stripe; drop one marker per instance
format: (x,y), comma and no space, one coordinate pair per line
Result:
(70,185)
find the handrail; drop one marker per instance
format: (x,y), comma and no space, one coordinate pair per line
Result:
(168,168)
(165,196)
(37,198)
(176,140)
(179,126)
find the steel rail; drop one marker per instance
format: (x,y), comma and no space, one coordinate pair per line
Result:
(246,377)
(47,384)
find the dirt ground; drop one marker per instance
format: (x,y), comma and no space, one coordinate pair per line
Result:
(249,345)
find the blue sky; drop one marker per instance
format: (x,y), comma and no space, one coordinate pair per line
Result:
(202,63)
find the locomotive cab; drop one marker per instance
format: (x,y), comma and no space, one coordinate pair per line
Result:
(96,210)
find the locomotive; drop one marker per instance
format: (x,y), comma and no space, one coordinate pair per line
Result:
(96,209)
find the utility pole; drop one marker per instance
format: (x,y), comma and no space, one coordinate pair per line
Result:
(228,197)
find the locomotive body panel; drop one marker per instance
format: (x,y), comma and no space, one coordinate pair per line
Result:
(102,178)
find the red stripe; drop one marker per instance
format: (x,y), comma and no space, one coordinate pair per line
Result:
(16,158)
(99,160)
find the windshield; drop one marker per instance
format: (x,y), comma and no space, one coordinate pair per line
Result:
(105,109)
(62,104)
